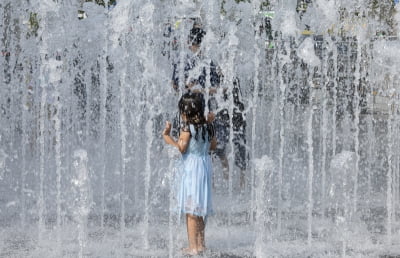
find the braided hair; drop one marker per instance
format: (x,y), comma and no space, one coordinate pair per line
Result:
(192,105)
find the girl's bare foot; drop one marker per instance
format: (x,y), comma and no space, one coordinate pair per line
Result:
(201,250)
(189,252)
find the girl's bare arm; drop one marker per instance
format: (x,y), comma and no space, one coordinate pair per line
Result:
(182,142)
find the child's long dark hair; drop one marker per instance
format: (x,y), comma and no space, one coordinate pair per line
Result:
(192,105)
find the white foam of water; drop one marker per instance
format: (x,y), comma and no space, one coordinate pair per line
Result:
(55,72)
(342,167)
(321,16)
(81,183)
(386,55)
(22,243)
(188,8)
(307,53)
(264,164)
(349,4)
(288,23)
(328,14)
(3,157)
(120,21)
(396,18)
(10,204)
(343,161)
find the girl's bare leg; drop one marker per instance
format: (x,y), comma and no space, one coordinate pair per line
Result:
(200,234)
(192,230)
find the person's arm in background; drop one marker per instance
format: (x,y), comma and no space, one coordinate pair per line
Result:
(216,78)
(213,143)
(175,78)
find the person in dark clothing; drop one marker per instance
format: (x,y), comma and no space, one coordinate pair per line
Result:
(239,132)
(195,69)
(222,126)
(194,76)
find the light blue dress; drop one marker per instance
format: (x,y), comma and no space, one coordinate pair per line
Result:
(195,172)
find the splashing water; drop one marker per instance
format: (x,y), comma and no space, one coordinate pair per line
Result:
(309,89)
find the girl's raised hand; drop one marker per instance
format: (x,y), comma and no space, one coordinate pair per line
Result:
(167,128)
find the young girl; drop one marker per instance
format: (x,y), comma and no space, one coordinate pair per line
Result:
(196,139)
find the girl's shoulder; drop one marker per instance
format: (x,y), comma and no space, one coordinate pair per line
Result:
(190,128)
(185,127)
(193,129)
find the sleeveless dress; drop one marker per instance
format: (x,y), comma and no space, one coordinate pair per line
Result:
(195,171)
